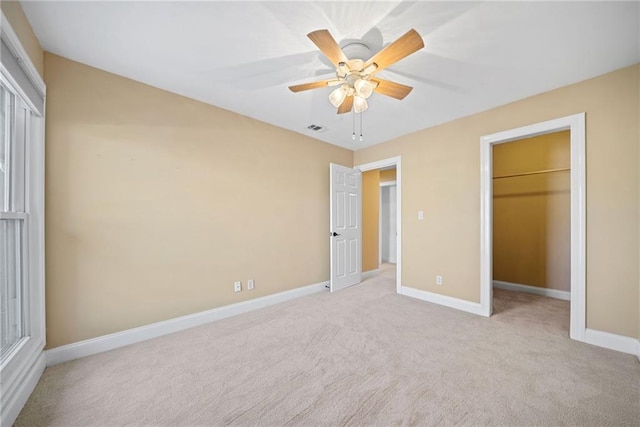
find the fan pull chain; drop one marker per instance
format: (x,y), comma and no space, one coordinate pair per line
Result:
(361,137)
(353,125)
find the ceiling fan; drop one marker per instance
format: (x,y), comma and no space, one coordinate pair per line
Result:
(356,77)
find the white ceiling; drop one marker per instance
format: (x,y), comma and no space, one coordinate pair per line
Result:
(241,56)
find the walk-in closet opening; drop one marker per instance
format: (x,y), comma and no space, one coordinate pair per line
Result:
(532,226)
(379,221)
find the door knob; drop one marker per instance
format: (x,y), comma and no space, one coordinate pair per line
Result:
(334,234)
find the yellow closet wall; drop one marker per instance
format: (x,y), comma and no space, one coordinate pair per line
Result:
(388,175)
(370,219)
(532,214)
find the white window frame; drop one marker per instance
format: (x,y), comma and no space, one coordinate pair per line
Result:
(13,207)
(20,372)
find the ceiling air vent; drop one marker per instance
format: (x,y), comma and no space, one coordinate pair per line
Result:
(316,128)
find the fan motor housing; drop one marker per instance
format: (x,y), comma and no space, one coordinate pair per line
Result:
(357,50)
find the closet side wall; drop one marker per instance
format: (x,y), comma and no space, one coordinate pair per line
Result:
(388,175)
(532,213)
(370,219)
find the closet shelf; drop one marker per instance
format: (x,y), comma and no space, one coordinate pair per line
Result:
(532,173)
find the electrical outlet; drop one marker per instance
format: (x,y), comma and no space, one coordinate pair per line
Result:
(250,284)
(438,280)
(237,286)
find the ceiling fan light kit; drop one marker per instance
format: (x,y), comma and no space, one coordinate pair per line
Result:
(337,96)
(359,104)
(363,88)
(354,74)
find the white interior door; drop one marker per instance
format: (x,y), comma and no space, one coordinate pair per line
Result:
(346,229)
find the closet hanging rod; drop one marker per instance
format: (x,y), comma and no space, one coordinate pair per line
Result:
(532,173)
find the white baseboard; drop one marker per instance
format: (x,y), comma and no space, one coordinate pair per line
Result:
(131,336)
(553,293)
(17,399)
(612,341)
(459,304)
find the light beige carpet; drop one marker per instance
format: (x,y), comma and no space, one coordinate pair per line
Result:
(362,356)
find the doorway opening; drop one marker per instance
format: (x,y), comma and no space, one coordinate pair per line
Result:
(388,248)
(382,225)
(531,227)
(575,125)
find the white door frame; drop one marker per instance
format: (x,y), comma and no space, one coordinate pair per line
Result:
(576,125)
(397,162)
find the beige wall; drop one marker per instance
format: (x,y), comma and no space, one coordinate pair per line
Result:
(74,290)
(441,175)
(532,213)
(157,203)
(370,219)
(18,21)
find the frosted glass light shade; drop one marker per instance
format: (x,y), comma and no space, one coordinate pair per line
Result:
(337,96)
(364,88)
(359,104)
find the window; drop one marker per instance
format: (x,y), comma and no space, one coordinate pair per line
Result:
(22,328)
(13,310)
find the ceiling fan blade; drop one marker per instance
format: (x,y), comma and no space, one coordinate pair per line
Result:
(392,89)
(407,44)
(346,105)
(328,45)
(309,86)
